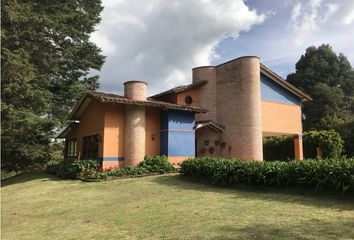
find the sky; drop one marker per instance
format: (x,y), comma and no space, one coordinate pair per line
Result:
(160,41)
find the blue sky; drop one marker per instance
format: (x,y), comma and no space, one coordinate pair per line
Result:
(160,41)
(279,44)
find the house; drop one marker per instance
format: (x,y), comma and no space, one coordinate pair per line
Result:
(225,111)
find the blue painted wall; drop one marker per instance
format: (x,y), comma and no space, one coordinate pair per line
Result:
(271,91)
(177,133)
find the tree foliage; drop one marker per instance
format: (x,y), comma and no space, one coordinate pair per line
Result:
(46,56)
(329,79)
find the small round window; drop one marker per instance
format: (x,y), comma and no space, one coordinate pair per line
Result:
(188,100)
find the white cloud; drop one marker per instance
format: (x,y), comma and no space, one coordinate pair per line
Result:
(160,41)
(346,11)
(296,11)
(311,18)
(305,19)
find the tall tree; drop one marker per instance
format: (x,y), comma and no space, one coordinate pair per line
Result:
(46,57)
(329,79)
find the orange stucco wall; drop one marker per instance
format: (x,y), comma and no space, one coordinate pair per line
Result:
(108,120)
(182,95)
(280,119)
(91,123)
(152,135)
(113,140)
(177,160)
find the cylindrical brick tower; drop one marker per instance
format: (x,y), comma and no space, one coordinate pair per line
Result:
(207,92)
(239,108)
(135,90)
(134,148)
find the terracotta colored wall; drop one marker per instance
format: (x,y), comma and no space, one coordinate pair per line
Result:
(152,135)
(182,96)
(91,123)
(114,131)
(280,119)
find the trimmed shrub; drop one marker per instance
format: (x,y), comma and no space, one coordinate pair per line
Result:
(157,164)
(333,174)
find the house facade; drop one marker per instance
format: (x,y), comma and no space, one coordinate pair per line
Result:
(225,111)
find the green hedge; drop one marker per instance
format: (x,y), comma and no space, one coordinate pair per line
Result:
(334,174)
(329,142)
(90,169)
(156,164)
(276,148)
(74,169)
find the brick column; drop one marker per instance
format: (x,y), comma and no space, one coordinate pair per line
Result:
(239,108)
(299,153)
(135,118)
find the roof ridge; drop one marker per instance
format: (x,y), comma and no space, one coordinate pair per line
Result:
(180,88)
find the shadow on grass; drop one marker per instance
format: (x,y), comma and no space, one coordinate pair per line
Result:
(323,199)
(313,229)
(25,177)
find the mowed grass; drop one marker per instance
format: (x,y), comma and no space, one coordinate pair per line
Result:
(39,206)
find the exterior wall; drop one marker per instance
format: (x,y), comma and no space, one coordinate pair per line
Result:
(152,137)
(134,141)
(177,135)
(271,91)
(113,141)
(171,98)
(206,93)
(281,110)
(91,123)
(239,107)
(280,119)
(207,139)
(192,93)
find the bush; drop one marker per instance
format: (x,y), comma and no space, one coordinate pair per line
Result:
(334,174)
(83,165)
(346,131)
(56,151)
(72,170)
(328,141)
(89,169)
(63,170)
(275,148)
(157,164)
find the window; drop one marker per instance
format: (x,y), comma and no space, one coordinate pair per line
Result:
(90,147)
(71,147)
(188,100)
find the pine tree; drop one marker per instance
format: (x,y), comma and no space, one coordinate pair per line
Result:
(46,58)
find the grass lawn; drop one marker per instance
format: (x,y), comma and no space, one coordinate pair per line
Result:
(39,206)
